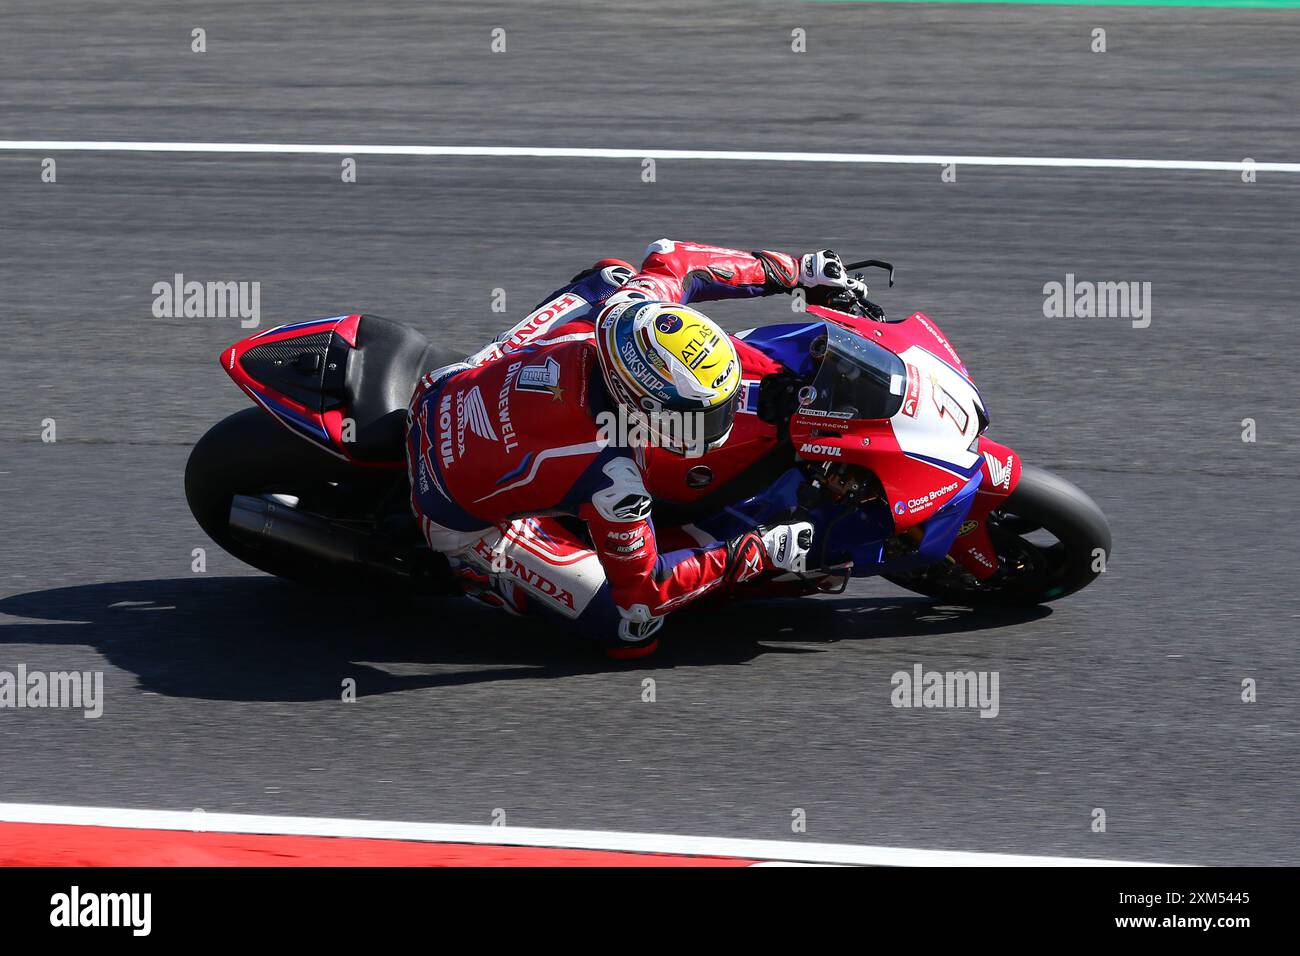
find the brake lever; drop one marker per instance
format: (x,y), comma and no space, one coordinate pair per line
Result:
(862,307)
(873,311)
(873,264)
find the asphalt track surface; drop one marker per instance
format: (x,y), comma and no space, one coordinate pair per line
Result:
(223,688)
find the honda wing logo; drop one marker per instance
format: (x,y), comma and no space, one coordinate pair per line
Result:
(477,416)
(471,412)
(999,473)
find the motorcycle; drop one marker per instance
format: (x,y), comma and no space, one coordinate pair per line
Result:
(870,428)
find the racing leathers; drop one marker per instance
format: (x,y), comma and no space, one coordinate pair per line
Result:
(515,432)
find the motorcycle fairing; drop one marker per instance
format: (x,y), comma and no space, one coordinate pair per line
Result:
(847,533)
(342,383)
(923,454)
(310,412)
(1000,473)
(905,452)
(788,344)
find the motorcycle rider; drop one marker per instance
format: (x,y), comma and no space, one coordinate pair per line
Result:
(522,428)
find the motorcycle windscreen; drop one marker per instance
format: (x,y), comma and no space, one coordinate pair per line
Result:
(857,379)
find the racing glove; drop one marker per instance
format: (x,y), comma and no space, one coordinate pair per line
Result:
(782,547)
(787,545)
(826,269)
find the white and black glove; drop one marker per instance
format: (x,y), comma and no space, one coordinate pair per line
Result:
(825,269)
(783,547)
(787,545)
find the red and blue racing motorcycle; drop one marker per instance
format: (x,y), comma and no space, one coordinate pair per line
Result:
(871,429)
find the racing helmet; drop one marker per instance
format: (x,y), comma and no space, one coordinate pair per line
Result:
(673,370)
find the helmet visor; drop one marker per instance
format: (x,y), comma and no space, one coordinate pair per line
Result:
(694,432)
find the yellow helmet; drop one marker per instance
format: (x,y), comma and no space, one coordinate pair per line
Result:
(674,368)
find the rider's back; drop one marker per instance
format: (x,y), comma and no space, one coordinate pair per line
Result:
(515,436)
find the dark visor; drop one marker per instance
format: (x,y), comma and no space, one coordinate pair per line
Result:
(857,379)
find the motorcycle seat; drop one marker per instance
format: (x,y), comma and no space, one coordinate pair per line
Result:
(383,369)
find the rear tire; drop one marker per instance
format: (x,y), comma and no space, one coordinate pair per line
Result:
(248,453)
(1030,573)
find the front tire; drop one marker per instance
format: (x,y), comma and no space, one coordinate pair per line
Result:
(1031,571)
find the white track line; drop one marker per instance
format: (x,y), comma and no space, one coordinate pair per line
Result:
(771,850)
(564,152)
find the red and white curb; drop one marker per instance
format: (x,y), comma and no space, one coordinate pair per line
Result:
(42,835)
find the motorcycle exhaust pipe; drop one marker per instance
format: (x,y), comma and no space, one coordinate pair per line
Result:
(263,521)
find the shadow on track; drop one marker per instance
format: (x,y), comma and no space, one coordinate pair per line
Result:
(260,639)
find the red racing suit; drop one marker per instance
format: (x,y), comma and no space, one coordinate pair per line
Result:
(513,432)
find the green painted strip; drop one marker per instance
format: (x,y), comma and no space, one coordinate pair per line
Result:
(1226,4)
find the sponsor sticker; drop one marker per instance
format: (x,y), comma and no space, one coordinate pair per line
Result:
(925,502)
(824,419)
(726,373)
(503,409)
(668,323)
(536,582)
(812,448)
(543,378)
(999,473)
(939,337)
(638,369)
(472,414)
(545,316)
(444,430)
(912,401)
(822,413)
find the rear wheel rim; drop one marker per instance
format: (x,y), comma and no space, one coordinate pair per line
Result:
(1028,571)
(1025,567)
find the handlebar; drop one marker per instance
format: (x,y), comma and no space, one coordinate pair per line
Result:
(872,264)
(856,304)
